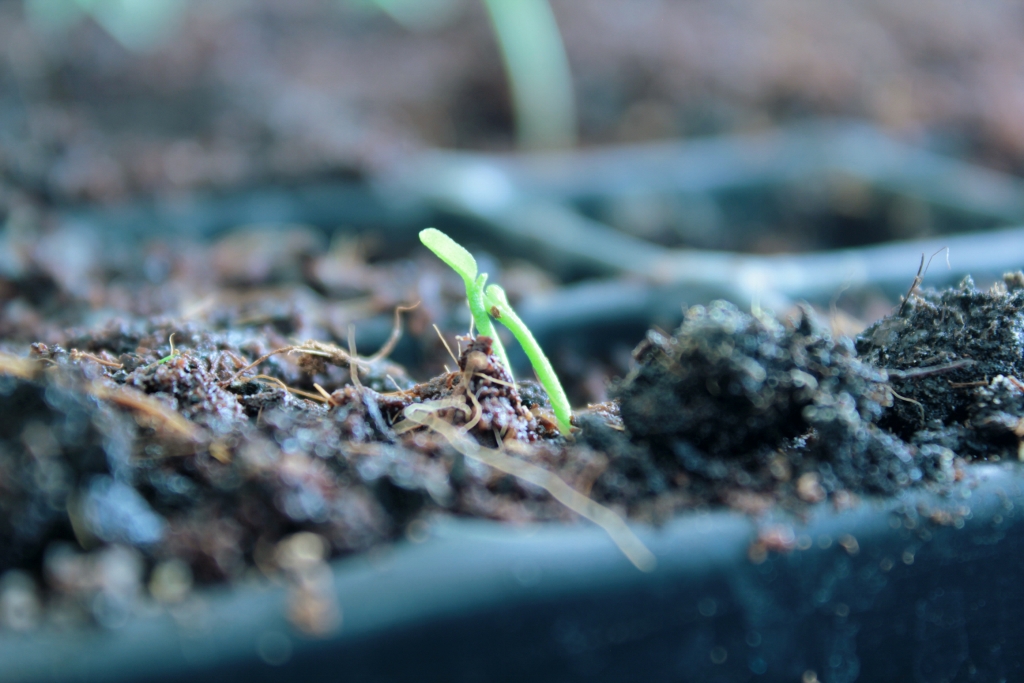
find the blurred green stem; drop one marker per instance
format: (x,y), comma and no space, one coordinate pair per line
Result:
(538,72)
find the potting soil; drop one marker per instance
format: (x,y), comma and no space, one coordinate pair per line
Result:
(130,466)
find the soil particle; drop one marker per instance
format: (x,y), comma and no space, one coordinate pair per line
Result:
(486,383)
(954,360)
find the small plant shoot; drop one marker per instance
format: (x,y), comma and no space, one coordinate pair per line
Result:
(485,303)
(463,263)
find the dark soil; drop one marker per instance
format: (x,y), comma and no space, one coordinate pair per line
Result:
(132,470)
(730,397)
(955,359)
(121,458)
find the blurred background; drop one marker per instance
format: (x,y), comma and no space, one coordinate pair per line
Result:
(106,99)
(267,164)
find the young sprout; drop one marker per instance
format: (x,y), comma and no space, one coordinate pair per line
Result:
(463,263)
(503,313)
(483,304)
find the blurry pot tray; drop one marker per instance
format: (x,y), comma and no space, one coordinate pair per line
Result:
(557,210)
(924,587)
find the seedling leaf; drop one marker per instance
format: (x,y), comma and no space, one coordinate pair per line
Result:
(463,263)
(451,252)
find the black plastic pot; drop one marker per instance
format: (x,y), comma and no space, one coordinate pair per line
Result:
(919,588)
(880,592)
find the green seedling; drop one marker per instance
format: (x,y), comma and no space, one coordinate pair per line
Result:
(463,263)
(538,71)
(485,303)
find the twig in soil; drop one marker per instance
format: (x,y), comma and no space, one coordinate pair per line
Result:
(16,366)
(255,363)
(916,373)
(148,407)
(620,533)
(921,270)
(323,392)
(332,354)
(298,392)
(236,361)
(447,348)
(968,385)
(307,349)
(908,400)
(75,354)
(396,334)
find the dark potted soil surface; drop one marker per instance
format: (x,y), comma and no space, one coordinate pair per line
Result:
(194,482)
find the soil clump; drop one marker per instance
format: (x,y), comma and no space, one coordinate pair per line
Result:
(955,359)
(733,398)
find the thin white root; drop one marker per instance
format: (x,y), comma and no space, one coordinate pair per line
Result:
(631,546)
(440,404)
(396,334)
(298,392)
(478,412)
(407,425)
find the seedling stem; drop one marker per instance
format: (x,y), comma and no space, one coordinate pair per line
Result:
(501,310)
